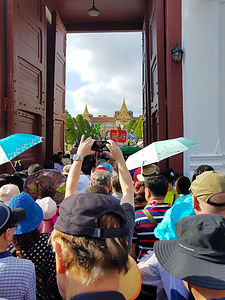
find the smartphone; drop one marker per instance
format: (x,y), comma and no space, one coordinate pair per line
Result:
(99,146)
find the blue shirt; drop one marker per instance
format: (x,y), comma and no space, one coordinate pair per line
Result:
(17,278)
(109,295)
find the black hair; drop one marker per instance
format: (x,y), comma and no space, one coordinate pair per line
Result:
(183,184)
(115,183)
(49,164)
(169,174)
(27,240)
(88,163)
(157,184)
(201,169)
(15,179)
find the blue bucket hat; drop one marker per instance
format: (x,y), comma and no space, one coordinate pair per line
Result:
(34,213)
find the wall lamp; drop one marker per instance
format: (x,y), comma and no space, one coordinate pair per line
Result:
(177,54)
(93,11)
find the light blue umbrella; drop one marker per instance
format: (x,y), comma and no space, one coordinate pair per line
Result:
(16,144)
(158,151)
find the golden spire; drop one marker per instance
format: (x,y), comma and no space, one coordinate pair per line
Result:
(123,115)
(86,114)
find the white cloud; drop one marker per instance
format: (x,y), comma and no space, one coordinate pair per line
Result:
(109,66)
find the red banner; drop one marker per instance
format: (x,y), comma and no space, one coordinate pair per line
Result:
(118,136)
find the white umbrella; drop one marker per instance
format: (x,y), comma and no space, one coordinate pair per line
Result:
(158,151)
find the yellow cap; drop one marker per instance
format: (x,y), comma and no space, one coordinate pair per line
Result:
(207,185)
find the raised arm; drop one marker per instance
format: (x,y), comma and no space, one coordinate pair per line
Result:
(83,150)
(124,175)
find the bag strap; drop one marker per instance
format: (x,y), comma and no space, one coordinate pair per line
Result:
(150,217)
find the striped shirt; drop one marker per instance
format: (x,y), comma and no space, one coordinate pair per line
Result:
(144,230)
(17,278)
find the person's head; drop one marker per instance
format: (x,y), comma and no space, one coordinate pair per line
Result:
(34,213)
(17,180)
(115,183)
(56,159)
(8,221)
(48,207)
(66,170)
(208,193)
(97,189)
(169,174)
(18,165)
(139,194)
(146,171)
(201,169)
(88,164)
(182,185)
(60,154)
(48,164)
(89,242)
(7,191)
(198,255)
(101,177)
(155,187)
(34,168)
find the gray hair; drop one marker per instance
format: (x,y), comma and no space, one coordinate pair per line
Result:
(101,177)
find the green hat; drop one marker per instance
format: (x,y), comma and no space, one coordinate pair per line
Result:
(207,185)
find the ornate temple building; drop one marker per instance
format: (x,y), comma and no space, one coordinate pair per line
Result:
(121,118)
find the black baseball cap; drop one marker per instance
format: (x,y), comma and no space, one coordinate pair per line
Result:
(79,214)
(198,255)
(9,217)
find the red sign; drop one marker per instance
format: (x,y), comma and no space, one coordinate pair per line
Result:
(118,135)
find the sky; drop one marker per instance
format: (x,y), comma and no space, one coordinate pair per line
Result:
(102,69)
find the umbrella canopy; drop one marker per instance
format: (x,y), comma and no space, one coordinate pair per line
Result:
(132,136)
(16,144)
(158,151)
(130,149)
(45,183)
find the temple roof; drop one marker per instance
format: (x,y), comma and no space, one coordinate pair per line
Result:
(86,114)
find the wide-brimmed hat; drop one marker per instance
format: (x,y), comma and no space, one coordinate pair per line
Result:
(34,213)
(130,283)
(198,255)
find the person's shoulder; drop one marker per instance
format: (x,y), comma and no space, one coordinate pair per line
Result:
(21,263)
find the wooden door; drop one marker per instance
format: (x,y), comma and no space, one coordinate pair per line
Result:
(29,77)
(56,86)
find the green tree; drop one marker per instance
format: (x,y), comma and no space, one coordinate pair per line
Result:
(130,125)
(139,128)
(70,132)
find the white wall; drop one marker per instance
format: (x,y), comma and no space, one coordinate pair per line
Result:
(203,38)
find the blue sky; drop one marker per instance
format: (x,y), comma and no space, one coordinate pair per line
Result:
(102,69)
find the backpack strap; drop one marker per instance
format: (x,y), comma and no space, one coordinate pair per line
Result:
(150,217)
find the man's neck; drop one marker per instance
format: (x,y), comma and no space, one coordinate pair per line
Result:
(108,283)
(156,199)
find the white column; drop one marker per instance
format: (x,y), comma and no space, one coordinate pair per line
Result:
(203,37)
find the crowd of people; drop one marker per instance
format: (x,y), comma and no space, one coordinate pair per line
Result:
(85,227)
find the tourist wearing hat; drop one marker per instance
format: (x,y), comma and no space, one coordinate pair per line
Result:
(208,195)
(92,260)
(7,191)
(115,153)
(198,255)
(33,245)
(17,276)
(49,209)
